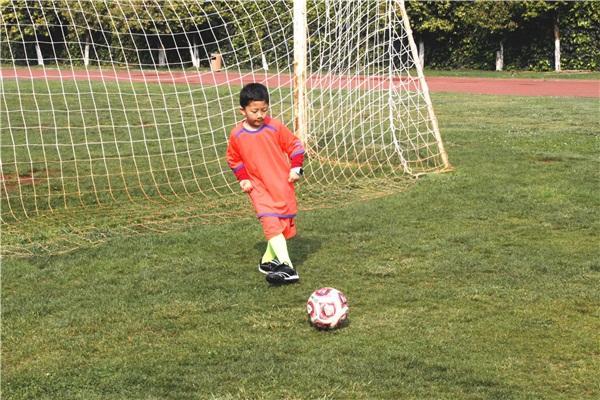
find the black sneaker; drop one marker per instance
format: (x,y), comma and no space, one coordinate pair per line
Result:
(268,267)
(283,273)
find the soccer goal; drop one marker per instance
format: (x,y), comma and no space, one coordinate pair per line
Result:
(128,101)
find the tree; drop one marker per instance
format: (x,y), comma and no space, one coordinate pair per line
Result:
(540,10)
(38,22)
(573,23)
(491,19)
(581,38)
(430,19)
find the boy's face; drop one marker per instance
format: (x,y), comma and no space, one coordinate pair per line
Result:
(255,113)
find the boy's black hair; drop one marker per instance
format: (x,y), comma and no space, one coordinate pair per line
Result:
(253,92)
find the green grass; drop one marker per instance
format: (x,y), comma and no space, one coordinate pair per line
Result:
(68,144)
(112,141)
(476,284)
(460,72)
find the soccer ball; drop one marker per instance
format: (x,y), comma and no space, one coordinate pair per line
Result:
(327,308)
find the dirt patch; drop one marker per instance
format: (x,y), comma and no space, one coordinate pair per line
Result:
(10,182)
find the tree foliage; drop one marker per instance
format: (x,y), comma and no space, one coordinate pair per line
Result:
(456,34)
(466,34)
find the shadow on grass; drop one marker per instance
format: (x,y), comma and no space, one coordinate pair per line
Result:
(300,247)
(462,380)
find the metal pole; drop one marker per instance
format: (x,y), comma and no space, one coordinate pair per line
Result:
(415,54)
(299,89)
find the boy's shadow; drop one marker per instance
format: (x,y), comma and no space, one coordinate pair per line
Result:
(300,248)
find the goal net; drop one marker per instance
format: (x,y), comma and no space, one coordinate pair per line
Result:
(104,104)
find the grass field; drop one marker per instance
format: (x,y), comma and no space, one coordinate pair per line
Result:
(108,142)
(481,283)
(465,72)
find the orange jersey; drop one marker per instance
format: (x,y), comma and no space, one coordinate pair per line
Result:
(265,157)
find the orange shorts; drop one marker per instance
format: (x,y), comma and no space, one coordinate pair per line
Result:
(273,226)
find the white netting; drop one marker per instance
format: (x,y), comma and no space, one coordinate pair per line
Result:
(108,102)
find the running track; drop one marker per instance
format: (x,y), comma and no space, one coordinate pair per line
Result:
(495,86)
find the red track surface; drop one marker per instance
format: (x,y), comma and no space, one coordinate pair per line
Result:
(515,87)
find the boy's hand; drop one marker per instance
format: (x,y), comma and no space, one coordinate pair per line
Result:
(294,177)
(246,185)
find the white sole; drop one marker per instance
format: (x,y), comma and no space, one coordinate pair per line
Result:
(262,272)
(289,279)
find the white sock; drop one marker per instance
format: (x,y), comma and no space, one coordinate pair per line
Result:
(269,254)
(279,246)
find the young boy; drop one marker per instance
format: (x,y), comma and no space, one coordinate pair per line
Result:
(267,159)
